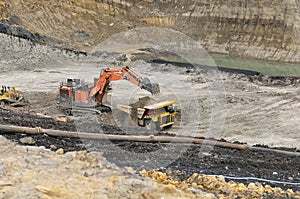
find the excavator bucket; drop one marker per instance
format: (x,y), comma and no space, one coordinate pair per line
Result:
(153,88)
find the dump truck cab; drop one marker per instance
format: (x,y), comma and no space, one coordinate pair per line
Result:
(157,116)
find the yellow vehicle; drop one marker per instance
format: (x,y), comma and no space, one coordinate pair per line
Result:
(158,116)
(10,96)
(154,117)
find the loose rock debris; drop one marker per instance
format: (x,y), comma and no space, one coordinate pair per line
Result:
(36,172)
(221,188)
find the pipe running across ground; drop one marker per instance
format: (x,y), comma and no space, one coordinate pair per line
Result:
(134,138)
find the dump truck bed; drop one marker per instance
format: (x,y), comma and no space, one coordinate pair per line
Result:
(159,105)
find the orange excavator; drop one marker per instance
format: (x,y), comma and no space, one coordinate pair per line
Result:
(76,95)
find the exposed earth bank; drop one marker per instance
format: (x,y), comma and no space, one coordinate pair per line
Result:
(265,29)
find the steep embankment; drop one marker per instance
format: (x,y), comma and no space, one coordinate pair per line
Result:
(261,29)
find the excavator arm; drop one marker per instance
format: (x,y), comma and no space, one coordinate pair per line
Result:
(125,73)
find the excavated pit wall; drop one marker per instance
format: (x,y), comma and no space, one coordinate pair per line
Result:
(266,29)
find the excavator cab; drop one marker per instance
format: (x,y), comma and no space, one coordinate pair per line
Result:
(66,90)
(65,94)
(72,94)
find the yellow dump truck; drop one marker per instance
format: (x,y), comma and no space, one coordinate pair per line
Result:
(153,117)
(11,96)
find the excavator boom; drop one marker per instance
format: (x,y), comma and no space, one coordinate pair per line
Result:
(144,82)
(125,73)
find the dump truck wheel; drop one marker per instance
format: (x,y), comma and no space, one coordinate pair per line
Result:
(68,111)
(150,125)
(2,103)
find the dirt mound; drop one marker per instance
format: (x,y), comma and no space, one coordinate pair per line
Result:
(141,103)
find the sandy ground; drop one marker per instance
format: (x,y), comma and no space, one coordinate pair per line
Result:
(212,104)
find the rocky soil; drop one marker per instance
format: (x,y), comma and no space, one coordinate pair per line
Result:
(36,172)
